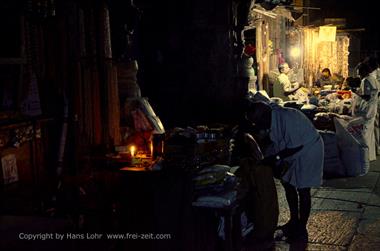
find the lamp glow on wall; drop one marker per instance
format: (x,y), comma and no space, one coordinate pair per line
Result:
(295,52)
(327,33)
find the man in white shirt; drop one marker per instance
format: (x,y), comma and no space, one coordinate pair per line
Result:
(365,105)
(375,76)
(289,88)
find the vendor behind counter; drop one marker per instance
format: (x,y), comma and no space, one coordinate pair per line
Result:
(328,80)
(325,78)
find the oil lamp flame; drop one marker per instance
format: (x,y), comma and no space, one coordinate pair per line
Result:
(132,149)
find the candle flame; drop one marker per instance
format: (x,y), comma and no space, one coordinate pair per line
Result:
(151,149)
(132,149)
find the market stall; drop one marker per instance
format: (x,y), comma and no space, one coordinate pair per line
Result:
(318,64)
(271,27)
(346,153)
(324,47)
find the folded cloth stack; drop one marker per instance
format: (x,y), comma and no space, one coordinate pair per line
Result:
(309,110)
(293,104)
(215,186)
(277,100)
(324,93)
(324,121)
(216,201)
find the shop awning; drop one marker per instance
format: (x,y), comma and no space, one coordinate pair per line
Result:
(271,4)
(278,11)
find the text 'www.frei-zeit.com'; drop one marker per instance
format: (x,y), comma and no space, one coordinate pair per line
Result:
(92,236)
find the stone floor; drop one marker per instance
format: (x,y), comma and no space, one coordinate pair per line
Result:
(345,214)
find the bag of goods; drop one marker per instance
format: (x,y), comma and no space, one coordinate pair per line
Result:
(324,121)
(356,128)
(332,166)
(345,94)
(354,155)
(302,95)
(214,179)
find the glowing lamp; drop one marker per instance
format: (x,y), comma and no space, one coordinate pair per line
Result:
(295,52)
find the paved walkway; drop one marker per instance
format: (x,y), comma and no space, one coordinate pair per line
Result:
(345,214)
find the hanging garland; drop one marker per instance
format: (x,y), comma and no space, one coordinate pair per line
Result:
(319,55)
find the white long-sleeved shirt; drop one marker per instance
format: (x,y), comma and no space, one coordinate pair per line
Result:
(376,75)
(290,128)
(287,85)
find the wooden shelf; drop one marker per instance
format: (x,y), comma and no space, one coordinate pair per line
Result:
(15,123)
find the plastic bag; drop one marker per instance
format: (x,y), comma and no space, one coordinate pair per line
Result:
(356,127)
(354,155)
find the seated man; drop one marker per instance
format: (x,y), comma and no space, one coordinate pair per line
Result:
(288,88)
(325,79)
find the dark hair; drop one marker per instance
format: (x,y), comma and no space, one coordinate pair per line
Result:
(372,63)
(257,105)
(363,70)
(282,66)
(327,70)
(353,82)
(262,114)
